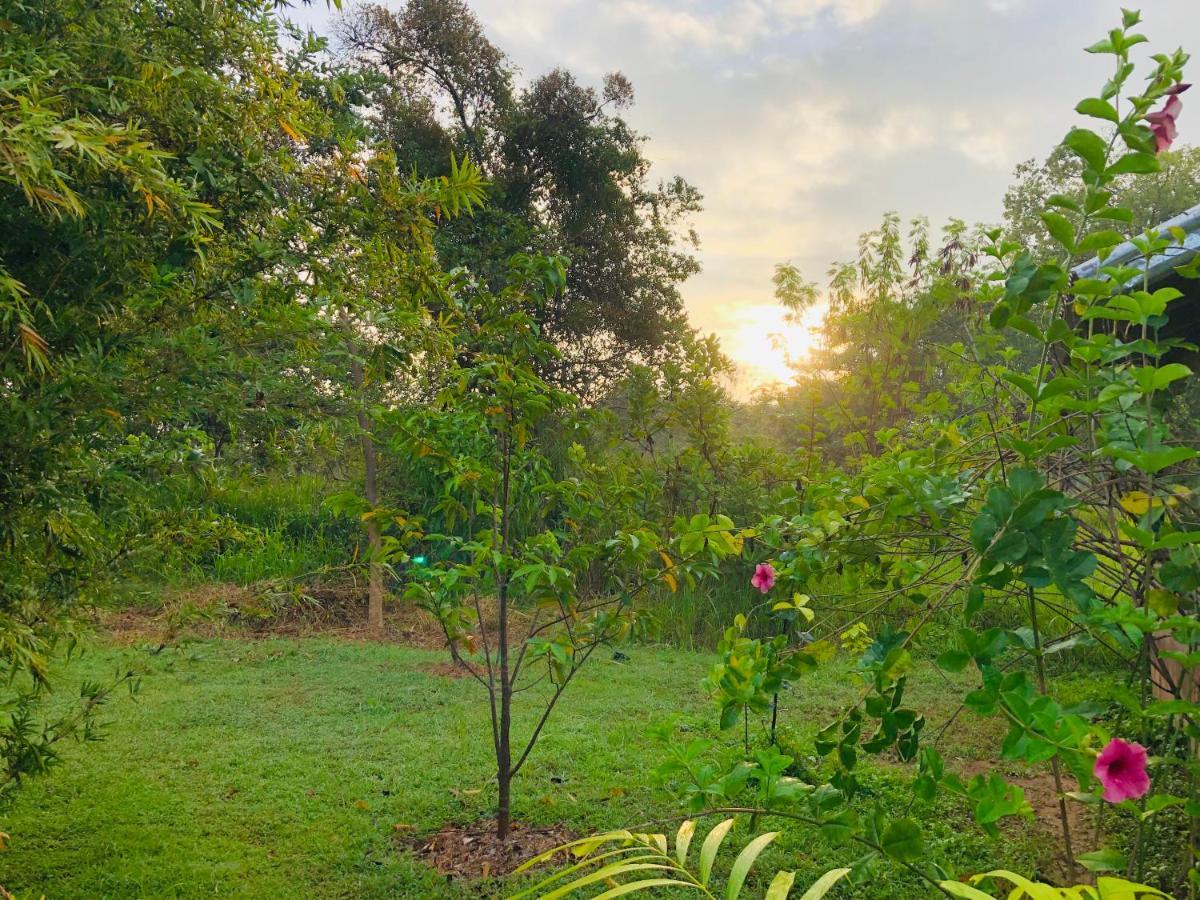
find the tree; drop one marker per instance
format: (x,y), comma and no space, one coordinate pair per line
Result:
(569,177)
(1151,198)
(530,577)
(158,166)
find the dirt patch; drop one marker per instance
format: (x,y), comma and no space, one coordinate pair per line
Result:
(333,609)
(1043,797)
(472,851)
(443,669)
(222,610)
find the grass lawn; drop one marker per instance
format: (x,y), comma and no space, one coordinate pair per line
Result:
(281,768)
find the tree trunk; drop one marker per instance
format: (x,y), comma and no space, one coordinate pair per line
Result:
(371,491)
(370,485)
(504,745)
(504,754)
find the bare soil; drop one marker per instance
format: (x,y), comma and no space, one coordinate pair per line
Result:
(1043,797)
(443,669)
(333,609)
(212,610)
(472,852)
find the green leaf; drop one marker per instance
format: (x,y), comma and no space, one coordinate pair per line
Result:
(1088,146)
(745,859)
(708,850)
(822,885)
(683,840)
(1170,373)
(1100,240)
(1135,164)
(1100,47)
(1062,201)
(781,886)
(902,840)
(1010,548)
(1060,229)
(953,660)
(621,867)
(1098,109)
(1102,861)
(1119,887)
(1153,461)
(958,889)
(645,884)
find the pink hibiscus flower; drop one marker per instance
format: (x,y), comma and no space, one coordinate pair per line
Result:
(763,577)
(1162,122)
(1121,768)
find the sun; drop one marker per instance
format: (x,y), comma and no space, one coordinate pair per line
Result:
(765,345)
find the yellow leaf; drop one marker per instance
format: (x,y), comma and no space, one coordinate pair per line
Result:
(672,583)
(5,837)
(1138,503)
(360,804)
(861,501)
(667,561)
(290,131)
(782,604)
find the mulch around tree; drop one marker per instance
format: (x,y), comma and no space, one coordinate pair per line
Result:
(472,852)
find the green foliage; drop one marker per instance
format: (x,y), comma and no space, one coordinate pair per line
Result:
(646,861)
(1025,484)
(569,177)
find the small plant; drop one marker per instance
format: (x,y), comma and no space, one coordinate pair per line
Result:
(533,575)
(608,858)
(637,855)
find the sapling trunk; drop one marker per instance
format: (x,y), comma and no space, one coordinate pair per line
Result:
(1055,765)
(374,543)
(504,742)
(370,484)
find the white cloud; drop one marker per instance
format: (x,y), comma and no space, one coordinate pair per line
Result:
(847,12)
(735,27)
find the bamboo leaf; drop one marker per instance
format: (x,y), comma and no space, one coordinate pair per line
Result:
(780,886)
(745,859)
(683,841)
(643,885)
(822,885)
(708,850)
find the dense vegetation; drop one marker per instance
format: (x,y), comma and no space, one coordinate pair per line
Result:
(372,332)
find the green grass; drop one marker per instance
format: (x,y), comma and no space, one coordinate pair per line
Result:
(279,768)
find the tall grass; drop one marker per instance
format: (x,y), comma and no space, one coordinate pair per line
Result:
(258,528)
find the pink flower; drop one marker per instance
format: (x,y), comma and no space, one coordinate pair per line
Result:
(1121,768)
(1162,122)
(763,577)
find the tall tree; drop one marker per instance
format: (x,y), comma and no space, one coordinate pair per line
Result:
(569,177)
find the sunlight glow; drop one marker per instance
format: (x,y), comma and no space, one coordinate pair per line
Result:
(765,345)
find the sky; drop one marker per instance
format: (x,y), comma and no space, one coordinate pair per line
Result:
(803,121)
